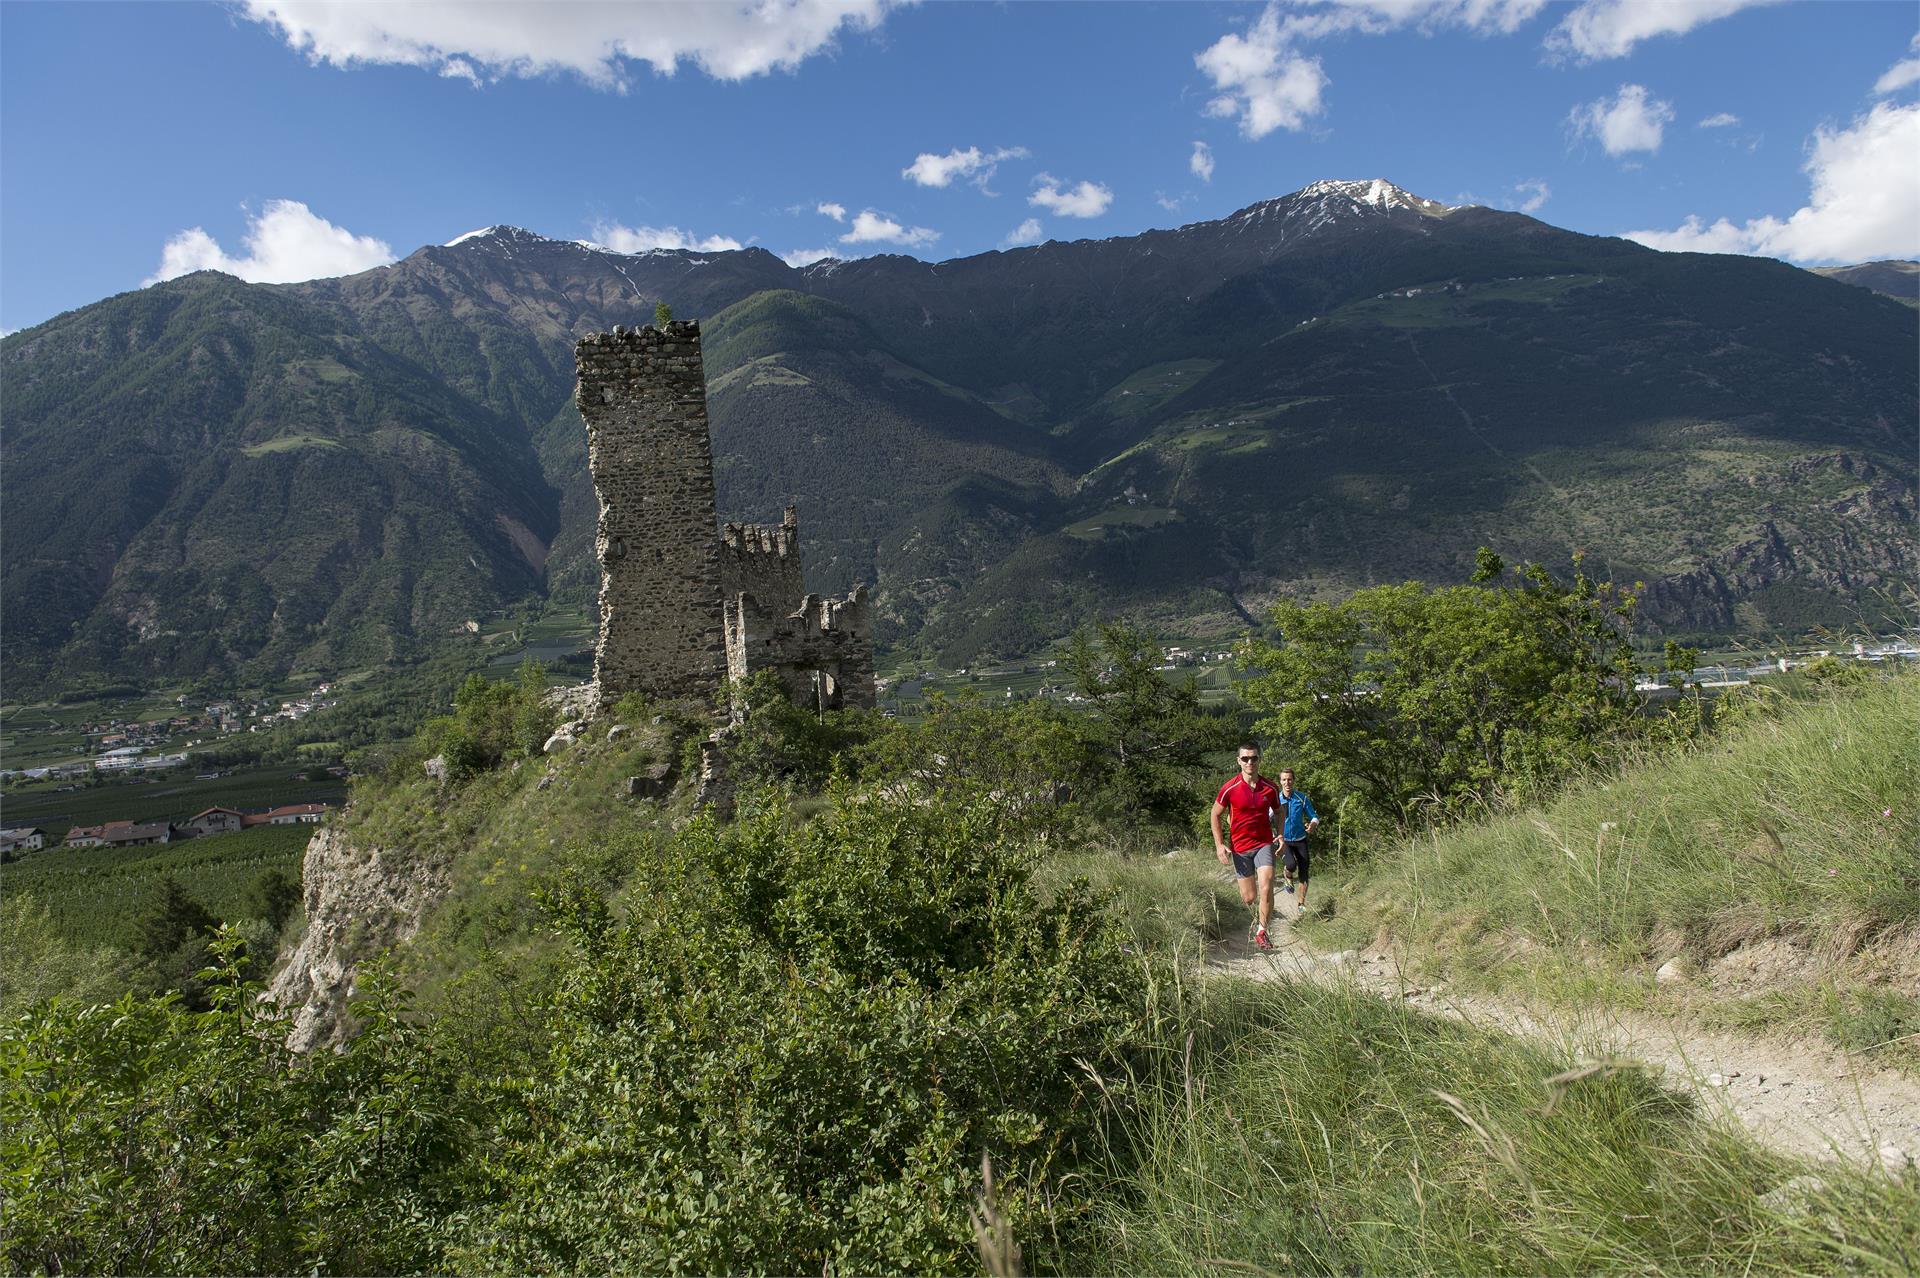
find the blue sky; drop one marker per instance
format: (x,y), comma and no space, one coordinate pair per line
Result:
(284,139)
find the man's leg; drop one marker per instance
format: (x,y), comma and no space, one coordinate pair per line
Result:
(1243,874)
(1264,878)
(1302,872)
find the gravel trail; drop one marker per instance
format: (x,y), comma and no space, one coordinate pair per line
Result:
(1802,1099)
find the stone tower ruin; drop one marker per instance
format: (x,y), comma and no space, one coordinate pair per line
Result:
(682,603)
(644,397)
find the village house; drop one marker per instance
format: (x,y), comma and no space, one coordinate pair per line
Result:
(213,821)
(23,839)
(127,834)
(297,814)
(86,836)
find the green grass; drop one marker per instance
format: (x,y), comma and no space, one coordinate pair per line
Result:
(287,444)
(1153,386)
(1287,1128)
(95,895)
(1798,828)
(1276,1127)
(1095,527)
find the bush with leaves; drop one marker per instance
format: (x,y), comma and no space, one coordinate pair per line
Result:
(141,1137)
(792,1052)
(492,723)
(775,742)
(1032,756)
(1444,699)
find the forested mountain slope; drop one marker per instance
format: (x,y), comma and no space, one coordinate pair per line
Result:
(1344,385)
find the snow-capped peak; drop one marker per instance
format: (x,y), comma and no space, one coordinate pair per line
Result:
(1376,193)
(490,232)
(1329,203)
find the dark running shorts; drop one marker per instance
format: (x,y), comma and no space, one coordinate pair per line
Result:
(1245,864)
(1293,856)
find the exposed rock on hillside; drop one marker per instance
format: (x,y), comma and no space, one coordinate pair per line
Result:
(360,902)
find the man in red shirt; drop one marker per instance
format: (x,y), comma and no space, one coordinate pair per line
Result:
(1249,802)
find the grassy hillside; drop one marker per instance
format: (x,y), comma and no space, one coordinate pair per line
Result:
(1777,866)
(646,1040)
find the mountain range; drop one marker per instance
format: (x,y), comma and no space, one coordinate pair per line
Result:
(1342,386)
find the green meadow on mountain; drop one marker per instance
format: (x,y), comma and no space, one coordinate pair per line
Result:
(1340,387)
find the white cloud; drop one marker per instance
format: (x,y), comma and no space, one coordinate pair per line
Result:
(1267,81)
(971,164)
(1531,194)
(807,257)
(460,69)
(1261,79)
(1089,199)
(729,41)
(876,228)
(286,242)
(1633,120)
(838,212)
(1601,29)
(1721,120)
(1900,74)
(1200,163)
(1171,203)
(644,239)
(1864,205)
(1028,232)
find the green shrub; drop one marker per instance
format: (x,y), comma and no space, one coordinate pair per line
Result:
(492,723)
(140,1137)
(793,1051)
(777,742)
(1447,700)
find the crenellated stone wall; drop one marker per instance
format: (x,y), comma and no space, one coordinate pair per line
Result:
(679,606)
(763,560)
(822,651)
(643,394)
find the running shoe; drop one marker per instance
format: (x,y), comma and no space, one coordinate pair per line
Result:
(1260,938)
(1287,888)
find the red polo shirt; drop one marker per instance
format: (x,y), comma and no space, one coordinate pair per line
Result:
(1248,811)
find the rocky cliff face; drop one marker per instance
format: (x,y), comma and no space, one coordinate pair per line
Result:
(360,903)
(1834,547)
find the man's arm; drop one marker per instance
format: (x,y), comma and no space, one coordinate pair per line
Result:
(1219,841)
(1313,818)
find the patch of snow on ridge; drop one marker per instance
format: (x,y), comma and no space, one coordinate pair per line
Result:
(1376,193)
(505,234)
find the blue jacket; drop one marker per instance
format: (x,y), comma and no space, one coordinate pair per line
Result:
(1299,810)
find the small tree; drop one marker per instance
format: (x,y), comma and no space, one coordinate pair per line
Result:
(1448,698)
(273,897)
(1152,731)
(662,315)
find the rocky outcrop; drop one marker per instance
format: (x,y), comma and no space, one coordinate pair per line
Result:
(361,901)
(1857,543)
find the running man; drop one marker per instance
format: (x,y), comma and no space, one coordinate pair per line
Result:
(1249,801)
(1299,821)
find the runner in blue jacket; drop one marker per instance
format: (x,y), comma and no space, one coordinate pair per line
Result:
(1299,821)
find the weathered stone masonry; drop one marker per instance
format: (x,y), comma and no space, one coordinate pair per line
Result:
(680,606)
(644,397)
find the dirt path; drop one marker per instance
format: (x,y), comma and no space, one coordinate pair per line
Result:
(1799,1098)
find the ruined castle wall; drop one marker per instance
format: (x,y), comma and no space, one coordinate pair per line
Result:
(822,651)
(763,560)
(644,397)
